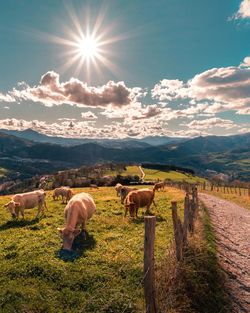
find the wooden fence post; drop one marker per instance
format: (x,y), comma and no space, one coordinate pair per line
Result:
(186,219)
(178,232)
(204,185)
(149,275)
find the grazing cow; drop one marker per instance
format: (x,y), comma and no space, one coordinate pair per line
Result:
(118,189)
(28,200)
(137,199)
(159,186)
(124,192)
(65,192)
(79,209)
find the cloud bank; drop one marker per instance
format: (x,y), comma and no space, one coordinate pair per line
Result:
(50,91)
(244,10)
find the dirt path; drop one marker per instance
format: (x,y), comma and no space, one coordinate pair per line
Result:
(232,227)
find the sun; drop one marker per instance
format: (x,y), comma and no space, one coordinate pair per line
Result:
(88,47)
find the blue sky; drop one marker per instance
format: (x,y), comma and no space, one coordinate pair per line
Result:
(176,67)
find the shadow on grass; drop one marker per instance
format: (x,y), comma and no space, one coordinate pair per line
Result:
(18,223)
(79,247)
(140,219)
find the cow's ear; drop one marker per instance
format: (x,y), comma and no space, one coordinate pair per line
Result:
(76,232)
(6,205)
(17,204)
(60,230)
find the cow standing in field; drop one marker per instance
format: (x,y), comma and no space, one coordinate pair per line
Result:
(65,192)
(118,189)
(124,192)
(159,186)
(138,199)
(28,200)
(79,209)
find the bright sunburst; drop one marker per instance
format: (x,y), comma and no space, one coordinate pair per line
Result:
(88,45)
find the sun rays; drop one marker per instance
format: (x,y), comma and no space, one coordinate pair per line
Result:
(88,44)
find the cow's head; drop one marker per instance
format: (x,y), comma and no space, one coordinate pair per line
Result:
(12,206)
(132,208)
(68,236)
(70,194)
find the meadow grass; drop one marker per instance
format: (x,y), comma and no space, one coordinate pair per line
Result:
(242,200)
(107,275)
(152,174)
(196,284)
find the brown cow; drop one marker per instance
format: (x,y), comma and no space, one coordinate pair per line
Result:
(137,199)
(124,192)
(159,186)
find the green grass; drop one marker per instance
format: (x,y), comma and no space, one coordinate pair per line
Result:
(152,174)
(107,275)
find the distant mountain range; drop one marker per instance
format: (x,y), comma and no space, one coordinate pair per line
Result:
(32,135)
(229,154)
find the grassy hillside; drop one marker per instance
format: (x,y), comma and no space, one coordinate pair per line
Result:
(152,174)
(242,200)
(107,275)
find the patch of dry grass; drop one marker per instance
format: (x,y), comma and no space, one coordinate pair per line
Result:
(242,200)
(194,285)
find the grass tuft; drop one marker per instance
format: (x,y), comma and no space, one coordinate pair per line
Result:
(195,285)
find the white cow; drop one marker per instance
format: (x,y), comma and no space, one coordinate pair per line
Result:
(28,200)
(65,192)
(79,209)
(118,189)
(124,192)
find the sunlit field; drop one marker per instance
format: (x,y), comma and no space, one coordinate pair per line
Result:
(152,174)
(242,200)
(105,276)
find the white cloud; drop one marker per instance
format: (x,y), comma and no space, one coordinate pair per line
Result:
(244,10)
(50,91)
(212,91)
(210,123)
(89,115)
(168,89)
(6,98)
(246,62)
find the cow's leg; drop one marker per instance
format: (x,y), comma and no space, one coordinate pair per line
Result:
(84,230)
(17,213)
(148,208)
(45,206)
(154,203)
(40,209)
(126,211)
(136,211)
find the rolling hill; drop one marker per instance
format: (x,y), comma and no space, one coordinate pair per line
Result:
(225,154)
(32,135)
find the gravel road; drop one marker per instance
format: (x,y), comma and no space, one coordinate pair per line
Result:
(232,229)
